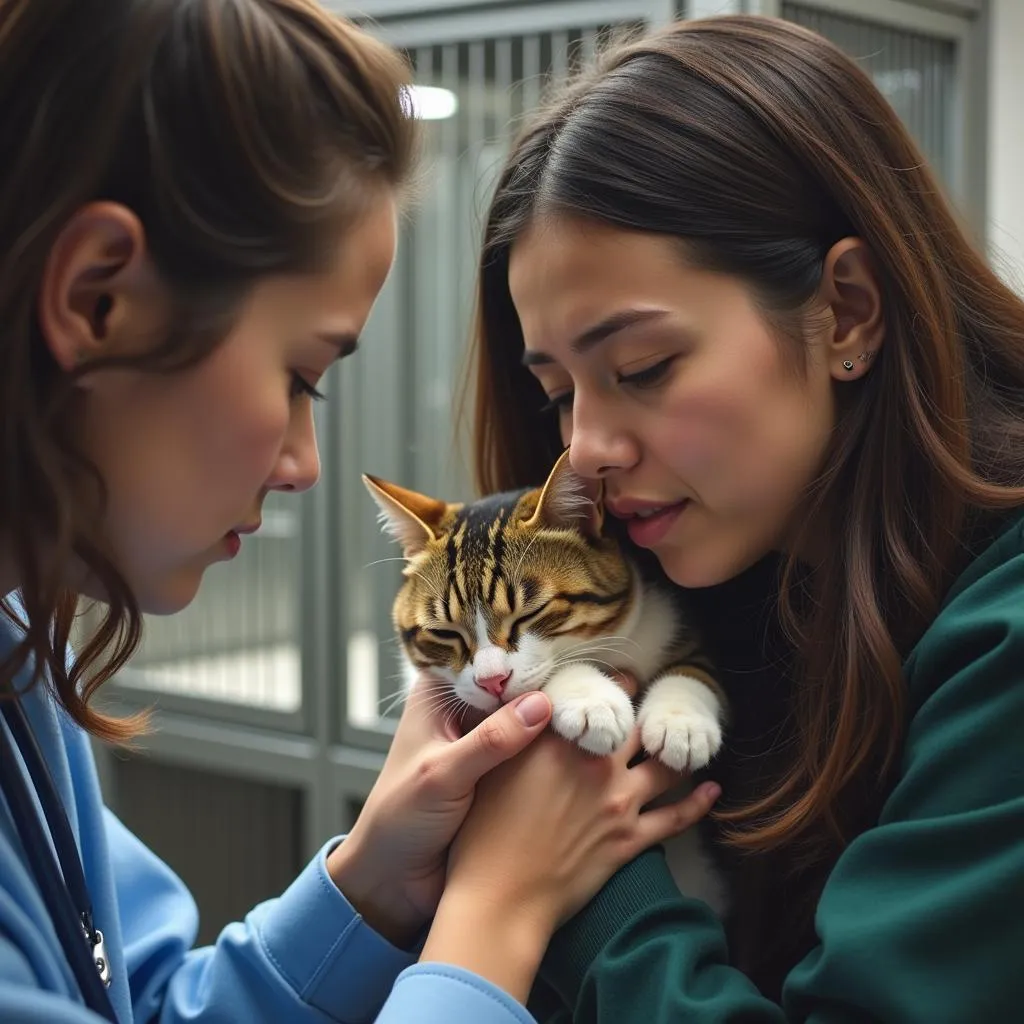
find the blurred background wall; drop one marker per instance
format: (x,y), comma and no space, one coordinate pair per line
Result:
(273,690)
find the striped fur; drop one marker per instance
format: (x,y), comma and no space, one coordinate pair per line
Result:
(525,584)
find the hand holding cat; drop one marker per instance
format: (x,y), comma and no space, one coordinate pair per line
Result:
(545,832)
(391,867)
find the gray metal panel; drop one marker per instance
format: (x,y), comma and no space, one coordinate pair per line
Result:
(232,749)
(915,72)
(519,20)
(497,10)
(233,842)
(931,17)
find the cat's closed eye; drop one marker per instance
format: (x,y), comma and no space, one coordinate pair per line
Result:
(521,621)
(445,634)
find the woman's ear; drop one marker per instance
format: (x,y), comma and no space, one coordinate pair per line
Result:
(849,288)
(99,294)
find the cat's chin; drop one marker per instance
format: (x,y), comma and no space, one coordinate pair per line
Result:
(535,687)
(527,682)
(479,701)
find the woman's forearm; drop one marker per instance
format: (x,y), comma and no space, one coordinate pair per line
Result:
(504,944)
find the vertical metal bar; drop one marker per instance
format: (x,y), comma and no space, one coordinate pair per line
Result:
(503,85)
(559,55)
(476,95)
(463,146)
(532,83)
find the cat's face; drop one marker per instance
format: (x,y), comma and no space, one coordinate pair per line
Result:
(500,592)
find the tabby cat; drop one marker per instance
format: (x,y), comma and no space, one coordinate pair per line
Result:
(524,591)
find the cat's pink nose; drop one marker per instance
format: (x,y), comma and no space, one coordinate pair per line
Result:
(494,685)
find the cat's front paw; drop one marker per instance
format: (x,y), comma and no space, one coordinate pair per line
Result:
(598,724)
(681,726)
(589,709)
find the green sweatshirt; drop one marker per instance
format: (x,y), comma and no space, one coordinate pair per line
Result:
(921,920)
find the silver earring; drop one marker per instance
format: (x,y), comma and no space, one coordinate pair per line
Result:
(866,356)
(848,365)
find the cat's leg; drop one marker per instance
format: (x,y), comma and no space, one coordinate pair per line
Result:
(589,708)
(681,720)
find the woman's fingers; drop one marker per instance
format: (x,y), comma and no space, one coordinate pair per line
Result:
(661,823)
(631,748)
(499,737)
(651,779)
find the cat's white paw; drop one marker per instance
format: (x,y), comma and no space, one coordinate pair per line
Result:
(599,724)
(680,723)
(683,740)
(590,709)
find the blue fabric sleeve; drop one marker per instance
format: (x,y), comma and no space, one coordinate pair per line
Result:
(434,993)
(304,956)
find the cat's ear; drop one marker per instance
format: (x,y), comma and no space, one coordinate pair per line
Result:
(570,500)
(412,519)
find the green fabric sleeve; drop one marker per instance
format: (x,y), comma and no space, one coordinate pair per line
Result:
(920,921)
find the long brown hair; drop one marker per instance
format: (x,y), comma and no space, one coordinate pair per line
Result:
(759,145)
(239,132)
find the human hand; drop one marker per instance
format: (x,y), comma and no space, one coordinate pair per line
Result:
(545,832)
(391,866)
(548,829)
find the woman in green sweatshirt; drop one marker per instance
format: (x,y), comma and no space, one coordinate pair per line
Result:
(725,268)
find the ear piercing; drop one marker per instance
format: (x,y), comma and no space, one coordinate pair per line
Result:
(864,357)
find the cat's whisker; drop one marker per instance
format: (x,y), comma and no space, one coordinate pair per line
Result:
(610,648)
(444,700)
(393,701)
(621,662)
(582,653)
(439,707)
(514,575)
(428,691)
(590,661)
(399,693)
(613,638)
(597,648)
(456,710)
(434,696)
(611,642)
(381,561)
(431,585)
(431,693)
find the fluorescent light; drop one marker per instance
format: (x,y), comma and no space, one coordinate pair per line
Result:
(429,103)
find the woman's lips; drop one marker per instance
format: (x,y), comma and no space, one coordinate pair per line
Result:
(649,528)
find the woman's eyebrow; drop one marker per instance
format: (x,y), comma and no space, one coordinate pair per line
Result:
(610,325)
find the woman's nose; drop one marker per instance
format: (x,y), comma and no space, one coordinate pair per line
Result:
(598,445)
(298,466)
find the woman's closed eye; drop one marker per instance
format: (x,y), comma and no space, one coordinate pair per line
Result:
(301,386)
(648,377)
(558,403)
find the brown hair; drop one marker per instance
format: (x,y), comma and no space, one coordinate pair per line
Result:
(239,132)
(758,144)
